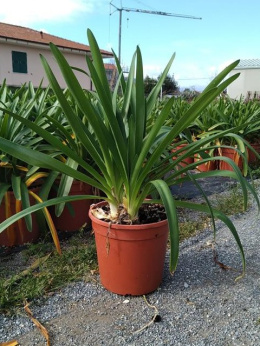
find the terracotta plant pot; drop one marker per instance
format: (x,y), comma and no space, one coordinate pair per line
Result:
(186,161)
(17,233)
(130,257)
(251,155)
(73,222)
(233,155)
(205,167)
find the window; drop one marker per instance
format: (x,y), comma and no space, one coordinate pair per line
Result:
(19,60)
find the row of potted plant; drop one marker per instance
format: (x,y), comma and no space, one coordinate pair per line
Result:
(22,184)
(250,155)
(242,119)
(122,149)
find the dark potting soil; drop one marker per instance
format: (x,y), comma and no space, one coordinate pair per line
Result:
(148,213)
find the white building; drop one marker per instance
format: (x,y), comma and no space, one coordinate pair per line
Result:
(248,83)
(20,50)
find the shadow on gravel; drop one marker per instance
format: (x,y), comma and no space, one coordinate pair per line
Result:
(210,185)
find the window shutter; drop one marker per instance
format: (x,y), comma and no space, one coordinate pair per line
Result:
(19,60)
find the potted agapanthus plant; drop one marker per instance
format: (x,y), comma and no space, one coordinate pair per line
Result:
(21,184)
(243,118)
(132,161)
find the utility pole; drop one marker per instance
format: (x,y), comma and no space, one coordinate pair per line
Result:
(127,9)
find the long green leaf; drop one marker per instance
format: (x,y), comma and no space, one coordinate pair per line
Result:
(16,186)
(170,208)
(4,187)
(138,164)
(221,75)
(140,111)
(42,205)
(56,143)
(26,204)
(102,134)
(45,161)
(98,62)
(65,186)
(184,122)
(74,121)
(157,89)
(117,142)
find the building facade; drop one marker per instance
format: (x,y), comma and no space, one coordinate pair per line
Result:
(247,84)
(20,50)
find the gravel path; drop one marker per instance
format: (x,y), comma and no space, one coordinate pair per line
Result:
(200,305)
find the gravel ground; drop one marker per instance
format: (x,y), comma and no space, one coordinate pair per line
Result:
(200,305)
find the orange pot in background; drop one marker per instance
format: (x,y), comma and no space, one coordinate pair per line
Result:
(233,155)
(185,161)
(251,155)
(205,167)
(17,233)
(130,257)
(68,222)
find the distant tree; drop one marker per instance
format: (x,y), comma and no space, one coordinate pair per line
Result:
(149,84)
(170,86)
(189,94)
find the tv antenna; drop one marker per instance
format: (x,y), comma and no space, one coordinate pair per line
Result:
(127,9)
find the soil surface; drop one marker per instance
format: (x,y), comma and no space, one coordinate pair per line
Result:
(148,213)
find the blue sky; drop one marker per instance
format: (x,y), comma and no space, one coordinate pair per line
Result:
(229,30)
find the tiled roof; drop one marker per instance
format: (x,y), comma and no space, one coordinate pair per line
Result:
(9,31)
(110,66)
(248,63)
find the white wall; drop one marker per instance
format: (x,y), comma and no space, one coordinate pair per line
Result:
(35,71)
(248,81)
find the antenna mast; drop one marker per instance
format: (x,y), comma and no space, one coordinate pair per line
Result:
(127,9)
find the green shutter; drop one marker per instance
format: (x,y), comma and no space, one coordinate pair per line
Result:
(19,60)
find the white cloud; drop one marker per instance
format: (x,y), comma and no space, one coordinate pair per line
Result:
(224,64)
(191,70)
(193,74)
(29,12)
(153,70)
(185,72)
